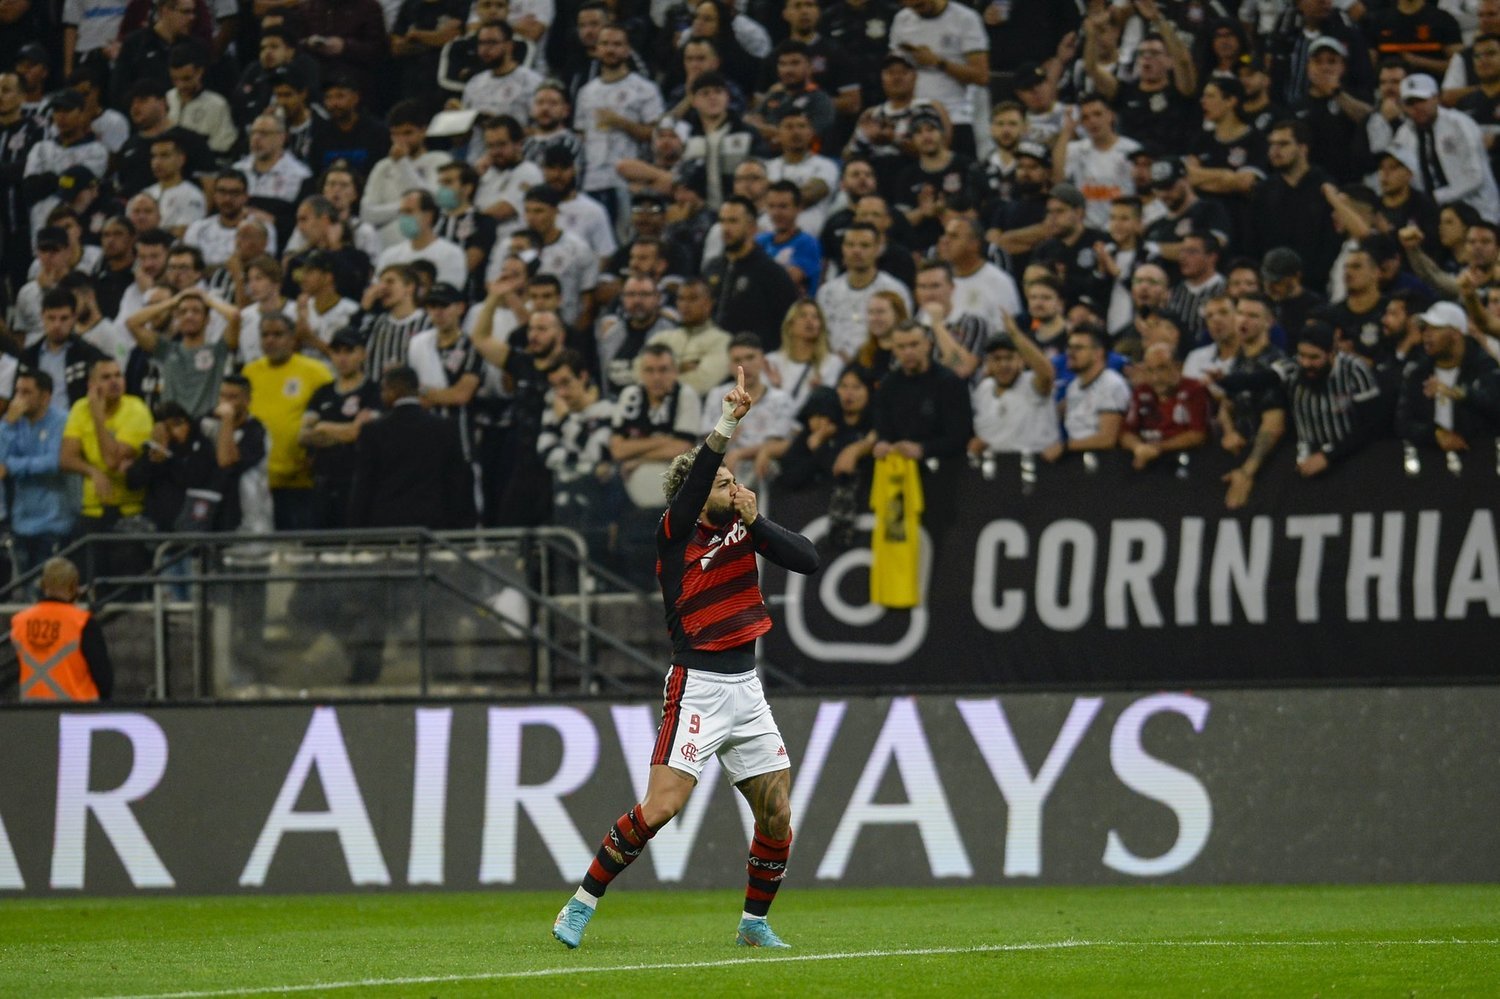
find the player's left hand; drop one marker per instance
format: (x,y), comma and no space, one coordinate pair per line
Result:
(743,501)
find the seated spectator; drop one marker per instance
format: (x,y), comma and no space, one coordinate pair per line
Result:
(190,105)
(836,439)
(655,420)
(777,413)
(419,214)
(804,361)
(845,298)
(921,408)
(1449,397)
(60,351)
(795,249)
(42,504)
(1013,409)
(1168,413)
(575,447)
(173,331)
(751,291)
(1096,399)
(622,334)
(700,346)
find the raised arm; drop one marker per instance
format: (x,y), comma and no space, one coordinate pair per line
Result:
(688,502)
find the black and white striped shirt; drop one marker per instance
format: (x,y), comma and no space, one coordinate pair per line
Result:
(1187,304)
(387,340)
(1332,414)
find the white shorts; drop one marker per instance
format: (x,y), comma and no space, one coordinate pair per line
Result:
(713,714)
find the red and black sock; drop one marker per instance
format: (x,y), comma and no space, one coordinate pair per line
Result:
(622,844)
(766,868)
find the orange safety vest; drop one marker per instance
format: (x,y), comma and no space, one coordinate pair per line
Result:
(48,638)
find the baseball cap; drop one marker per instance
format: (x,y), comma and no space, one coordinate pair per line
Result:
(1034,150)
(51,238)
(898,55)
(1317,333)
(291,75)
(1000,341)
(348,337)
(1445,314)
(1418,87)
(1280,263)
(1401,154)
(926,116)
(676,126)
(1331,44)
(695,178)
(1028,75)
(1253,61)
(146,88)
(75,178)
(1167,171)
(444,293)
(67,100)
(1068,195)
(32,52)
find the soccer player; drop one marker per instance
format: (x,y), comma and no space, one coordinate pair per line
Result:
(706,544)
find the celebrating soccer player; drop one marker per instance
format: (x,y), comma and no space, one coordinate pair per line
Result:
(706,546)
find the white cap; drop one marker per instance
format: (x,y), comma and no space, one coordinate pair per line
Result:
(1403,155)
(1419,86)
(1447,314)
(1328,42)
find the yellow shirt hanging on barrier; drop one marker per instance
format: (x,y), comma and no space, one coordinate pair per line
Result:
(895,544)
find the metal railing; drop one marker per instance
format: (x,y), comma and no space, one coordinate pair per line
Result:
(547,569)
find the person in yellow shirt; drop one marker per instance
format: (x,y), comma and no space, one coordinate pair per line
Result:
(281,384)
(103,435)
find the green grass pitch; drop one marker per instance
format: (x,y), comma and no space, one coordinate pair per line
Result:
(1144,941)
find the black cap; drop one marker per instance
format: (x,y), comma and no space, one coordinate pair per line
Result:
(444,293)
(67,100)
(1028,75)
(76,177)
(339,80)
(1280,263)
(1000,341)
(32,52)
(558,155)
(898,55)
(1034,150)
(51,238)
(291,75)
(694,177)
(927,116)
(347,337)
(1166,172)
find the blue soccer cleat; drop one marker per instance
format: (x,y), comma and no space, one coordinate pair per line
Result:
(758,933)
(571,922)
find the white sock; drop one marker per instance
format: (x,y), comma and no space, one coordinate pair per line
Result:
(589,900)
(745,915)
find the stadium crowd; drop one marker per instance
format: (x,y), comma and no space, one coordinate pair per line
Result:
(234,235)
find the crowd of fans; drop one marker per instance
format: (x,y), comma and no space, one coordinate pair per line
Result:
(234,235)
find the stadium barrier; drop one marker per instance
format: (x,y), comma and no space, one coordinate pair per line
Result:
(1342,785)
(1086,572)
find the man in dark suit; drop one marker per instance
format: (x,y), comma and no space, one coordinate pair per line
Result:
(409,469)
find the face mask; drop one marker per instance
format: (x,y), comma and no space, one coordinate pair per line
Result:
(446,197)
(409,225)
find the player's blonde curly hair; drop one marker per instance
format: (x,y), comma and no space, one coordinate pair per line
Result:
(677,472)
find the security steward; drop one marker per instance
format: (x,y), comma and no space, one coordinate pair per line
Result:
(59,644)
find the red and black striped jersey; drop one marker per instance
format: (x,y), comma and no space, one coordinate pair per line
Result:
(710,581)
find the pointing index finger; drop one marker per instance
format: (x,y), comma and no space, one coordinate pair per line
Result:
(740,377)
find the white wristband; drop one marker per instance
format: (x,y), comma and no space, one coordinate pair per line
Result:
(725,426)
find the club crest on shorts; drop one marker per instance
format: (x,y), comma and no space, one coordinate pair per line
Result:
(690,752)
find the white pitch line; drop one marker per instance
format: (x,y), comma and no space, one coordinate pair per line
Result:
(490,976)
